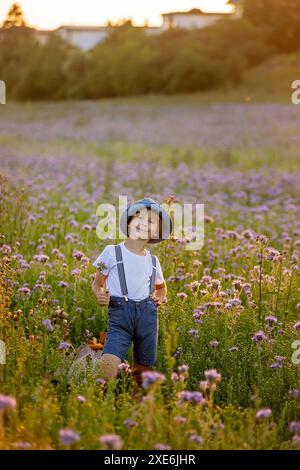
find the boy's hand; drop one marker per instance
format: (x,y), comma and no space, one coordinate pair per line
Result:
(159,295)
(159,299)
(103,296)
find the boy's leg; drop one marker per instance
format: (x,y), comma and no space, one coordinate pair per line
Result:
(145,341)
(117,343)
(108,367)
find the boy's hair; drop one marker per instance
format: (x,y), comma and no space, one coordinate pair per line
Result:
(160,224)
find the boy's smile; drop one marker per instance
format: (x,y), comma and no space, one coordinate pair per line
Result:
(144,225)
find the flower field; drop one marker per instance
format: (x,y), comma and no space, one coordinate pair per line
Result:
(228,369)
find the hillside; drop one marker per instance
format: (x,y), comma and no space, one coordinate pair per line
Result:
(268,82)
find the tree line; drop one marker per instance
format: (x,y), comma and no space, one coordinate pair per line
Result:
(130,62)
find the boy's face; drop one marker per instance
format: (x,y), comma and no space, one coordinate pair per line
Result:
(144,225)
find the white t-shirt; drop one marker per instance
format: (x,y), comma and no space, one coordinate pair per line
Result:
(138,269)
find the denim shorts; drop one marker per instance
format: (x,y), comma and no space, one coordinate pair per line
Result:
(135,321)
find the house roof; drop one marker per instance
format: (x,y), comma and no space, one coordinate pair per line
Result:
(97,28)
(195,11)
(82,28)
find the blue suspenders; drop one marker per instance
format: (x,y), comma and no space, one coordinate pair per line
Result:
(121,272)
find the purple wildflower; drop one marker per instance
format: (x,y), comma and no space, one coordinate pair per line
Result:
(196,439)
(204,385)
(63,284)
(111,441)
(271,320)
(64,345)
(24,290)
(100,381)
(5,249)
(280,359)
(81,399)
(296,326)
(76,272)
(182,295)
(212,375)
(259,336)
(48,325)
(130,423)
(233,303)
(294,427)
(150,378)
(264,413)
(194,333)
(192,397)
(277,365)
(7,402)
(68,436)
(41,258)
(78,255)
(25,265)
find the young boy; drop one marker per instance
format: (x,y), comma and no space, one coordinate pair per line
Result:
(135,289)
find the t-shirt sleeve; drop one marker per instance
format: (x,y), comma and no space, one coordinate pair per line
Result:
(104,261)
(159,279)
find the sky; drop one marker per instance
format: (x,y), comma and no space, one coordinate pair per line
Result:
(49,14)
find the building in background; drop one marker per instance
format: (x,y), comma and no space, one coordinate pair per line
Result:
(87,37)
(84,37)
(194,18)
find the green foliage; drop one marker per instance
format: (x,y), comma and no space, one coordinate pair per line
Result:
(279,19)
(46,73)
(131,62)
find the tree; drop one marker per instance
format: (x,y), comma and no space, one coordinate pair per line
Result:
(279,18)
(14,18)
(45,73)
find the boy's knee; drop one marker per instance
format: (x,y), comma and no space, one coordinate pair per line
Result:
(108,367)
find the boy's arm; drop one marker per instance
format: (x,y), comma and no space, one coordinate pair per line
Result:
(101,294)
(160,294)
